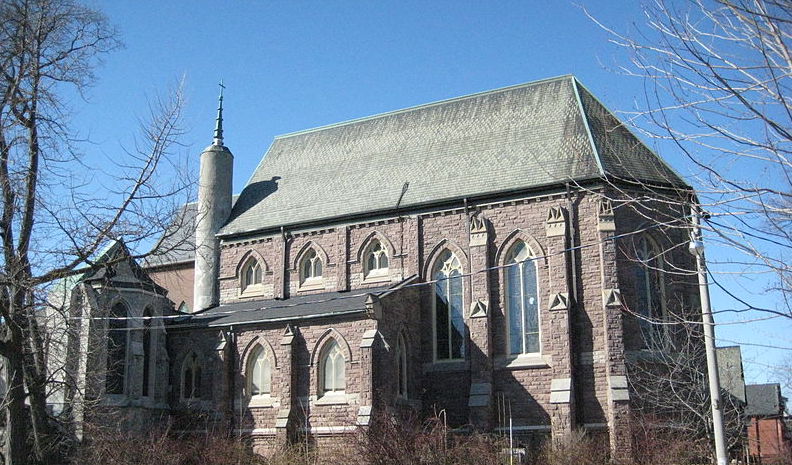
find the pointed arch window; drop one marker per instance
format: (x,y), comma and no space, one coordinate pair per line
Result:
(522,300)
(251,275)
(259,372)
(147,335)
(650,287)
(332,369)
(449,324)
(191,377)
(376,260)
(311,269)
(401,366)
(115,375)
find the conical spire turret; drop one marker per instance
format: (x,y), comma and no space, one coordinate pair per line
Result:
(218,132)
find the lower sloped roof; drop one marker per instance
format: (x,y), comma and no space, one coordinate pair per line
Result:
(300,307)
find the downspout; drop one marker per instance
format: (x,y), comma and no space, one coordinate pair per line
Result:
(571,246)
(230,338)
(284,286)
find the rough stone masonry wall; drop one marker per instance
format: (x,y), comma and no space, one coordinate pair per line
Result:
(130,410)
(585,352)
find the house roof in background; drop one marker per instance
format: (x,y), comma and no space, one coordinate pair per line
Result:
(730,371)
(764,400)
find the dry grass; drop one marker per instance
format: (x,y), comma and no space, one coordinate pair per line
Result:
(390,442)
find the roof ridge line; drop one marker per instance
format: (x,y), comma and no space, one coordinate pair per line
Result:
(584,116)
(424,105)
(632,133)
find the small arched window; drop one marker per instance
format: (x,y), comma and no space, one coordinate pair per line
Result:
(251,274)
(401,366)
(147,335)
(376,260)
(332,369)
(259,372)
(311,268)
(448,304)
(191,377)
(115,376)
(650,291)
(522,300)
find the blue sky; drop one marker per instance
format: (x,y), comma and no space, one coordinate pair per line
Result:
(293,65)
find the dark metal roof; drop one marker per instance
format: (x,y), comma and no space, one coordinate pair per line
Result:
(268,310)
(528,136)
(764,400)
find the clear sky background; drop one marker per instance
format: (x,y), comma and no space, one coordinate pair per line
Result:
(294,65)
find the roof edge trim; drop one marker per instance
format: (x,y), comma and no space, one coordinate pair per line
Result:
(425,105)
(586,124)
(629,129)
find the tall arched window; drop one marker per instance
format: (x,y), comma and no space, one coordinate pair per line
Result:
(147,334)
(448,304)
(376,260)
(522,300)
(311,268)
(259,373)
(251,274)
(332,369)
(649,285)
(115,376)
(191,377)
(401,366)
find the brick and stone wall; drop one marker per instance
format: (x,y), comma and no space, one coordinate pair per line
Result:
(586,327)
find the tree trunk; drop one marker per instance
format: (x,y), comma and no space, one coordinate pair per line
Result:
(16,450)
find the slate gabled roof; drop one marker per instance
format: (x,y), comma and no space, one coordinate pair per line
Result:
(523,137)
(178,240)
(764,400)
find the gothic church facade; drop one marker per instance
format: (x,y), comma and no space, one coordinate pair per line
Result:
(458,256)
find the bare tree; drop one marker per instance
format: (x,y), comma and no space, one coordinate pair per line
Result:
(58,210)
(717,77)
(672,392)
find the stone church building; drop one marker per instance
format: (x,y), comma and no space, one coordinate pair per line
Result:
(502,249)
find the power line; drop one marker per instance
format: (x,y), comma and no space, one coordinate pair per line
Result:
(360,295)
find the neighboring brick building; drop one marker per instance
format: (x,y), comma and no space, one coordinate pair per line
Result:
(769,440)
(502,247)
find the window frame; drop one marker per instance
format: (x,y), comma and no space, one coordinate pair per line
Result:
(509,262)
(380,273)
(311,279)
(148,353)
(445,260)
(651,263)
(259,353)
(402,368)
(121,326)
(193,361)
(332,347)
(256,287)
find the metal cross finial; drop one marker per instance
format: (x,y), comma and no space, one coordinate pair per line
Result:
(218,134)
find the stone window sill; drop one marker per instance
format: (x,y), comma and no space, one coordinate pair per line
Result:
(116,400)
(254,290)
(260,401)
(447,365)
(334,398)
(311,284)
(523,361)
(376,277)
